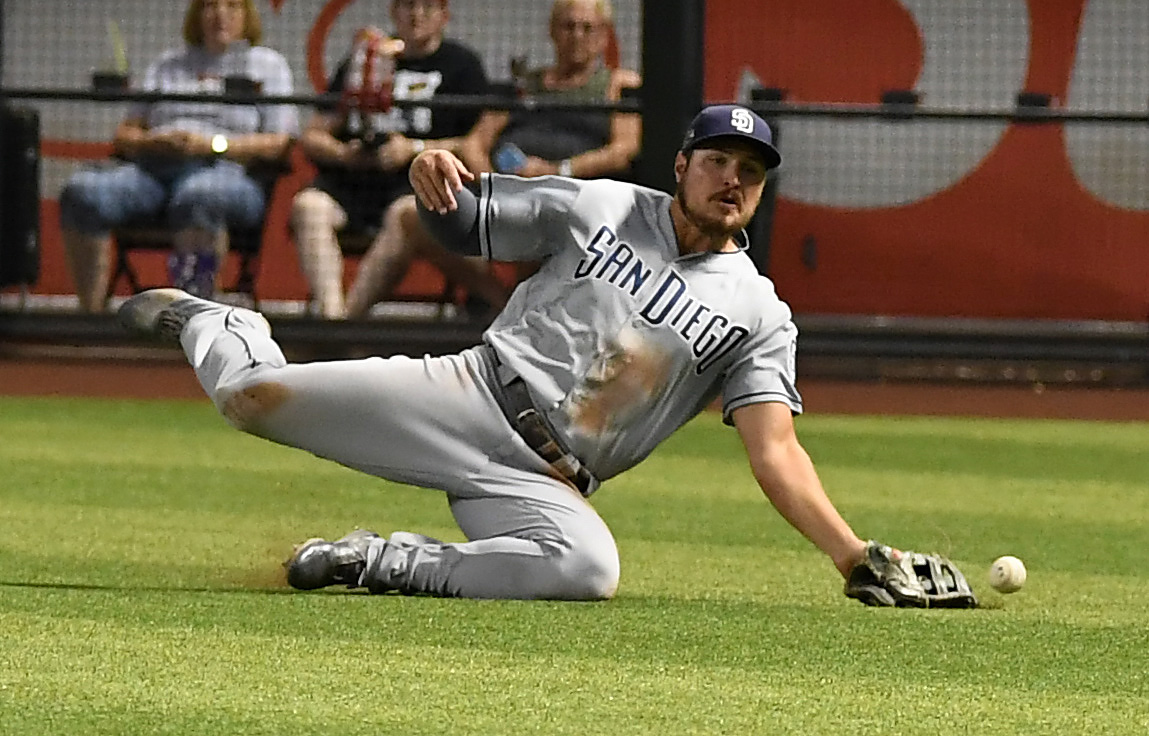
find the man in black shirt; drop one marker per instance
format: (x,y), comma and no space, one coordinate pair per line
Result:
(362,185)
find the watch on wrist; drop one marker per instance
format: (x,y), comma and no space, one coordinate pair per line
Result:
(219,145)
(418,145)
(565,167)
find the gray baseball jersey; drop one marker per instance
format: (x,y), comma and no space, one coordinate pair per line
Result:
(621,339)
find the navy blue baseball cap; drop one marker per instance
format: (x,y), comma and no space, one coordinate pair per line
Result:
(732,121)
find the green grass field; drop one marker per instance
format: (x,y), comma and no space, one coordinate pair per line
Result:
(139,590)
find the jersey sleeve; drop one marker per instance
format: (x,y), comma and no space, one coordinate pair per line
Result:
(522,219)
(763,371)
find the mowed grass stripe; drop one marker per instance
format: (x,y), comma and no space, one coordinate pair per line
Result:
(1072,434)
(995,644)
(117,562)
(1004,448)
(726,484)
(215,670)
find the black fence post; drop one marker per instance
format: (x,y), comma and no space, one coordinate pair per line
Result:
(672,35)
(1,47)
(761,229)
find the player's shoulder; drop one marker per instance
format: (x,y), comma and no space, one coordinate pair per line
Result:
(760,295)
(621,193)
(614,187)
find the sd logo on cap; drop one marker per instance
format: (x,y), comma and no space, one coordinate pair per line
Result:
(732,121)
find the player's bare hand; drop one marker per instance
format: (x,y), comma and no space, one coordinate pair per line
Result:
(436,176)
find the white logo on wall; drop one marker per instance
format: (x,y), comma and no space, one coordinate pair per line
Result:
(741,120)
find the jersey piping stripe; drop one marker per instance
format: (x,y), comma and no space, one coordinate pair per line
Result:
(227,325)
(486,186)
(789,398)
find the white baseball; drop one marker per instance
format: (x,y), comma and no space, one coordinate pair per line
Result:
(1007,574)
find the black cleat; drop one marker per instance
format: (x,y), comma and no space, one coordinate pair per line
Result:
(318,563)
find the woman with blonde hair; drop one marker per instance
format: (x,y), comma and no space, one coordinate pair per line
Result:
(186,163)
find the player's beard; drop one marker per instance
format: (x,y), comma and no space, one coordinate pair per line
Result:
(711,228)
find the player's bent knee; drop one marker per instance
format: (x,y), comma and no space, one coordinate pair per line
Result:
(592,575)
(246,407)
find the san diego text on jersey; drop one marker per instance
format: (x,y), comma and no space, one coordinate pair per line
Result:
(709,333)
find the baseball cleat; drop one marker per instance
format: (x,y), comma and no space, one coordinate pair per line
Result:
(160,312)
(318,563)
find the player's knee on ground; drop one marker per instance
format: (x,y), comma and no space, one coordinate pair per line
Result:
(412,563)
(589,573)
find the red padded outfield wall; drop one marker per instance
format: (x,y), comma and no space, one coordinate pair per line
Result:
(967,219)
(972,219)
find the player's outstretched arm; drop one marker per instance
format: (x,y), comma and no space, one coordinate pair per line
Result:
(436,176)
(454,226)
(786,474)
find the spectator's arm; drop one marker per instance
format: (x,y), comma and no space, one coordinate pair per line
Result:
(279,124)
(320,144)
(454,144)
(475,150)
(131,138)
(255,147)
(625,135)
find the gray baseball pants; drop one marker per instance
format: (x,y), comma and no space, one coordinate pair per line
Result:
(430,422)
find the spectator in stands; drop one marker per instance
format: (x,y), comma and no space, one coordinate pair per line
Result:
(566,142)
(188,161)
(362,188)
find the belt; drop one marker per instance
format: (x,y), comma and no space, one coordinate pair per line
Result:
(515,400)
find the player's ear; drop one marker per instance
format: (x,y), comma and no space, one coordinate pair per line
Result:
(679,166)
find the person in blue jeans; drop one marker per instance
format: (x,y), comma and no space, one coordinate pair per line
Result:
(189,161)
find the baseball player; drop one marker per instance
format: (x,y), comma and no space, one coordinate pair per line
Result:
(645,309)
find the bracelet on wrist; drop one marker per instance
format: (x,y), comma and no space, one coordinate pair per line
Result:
(418,145)
(565,167)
